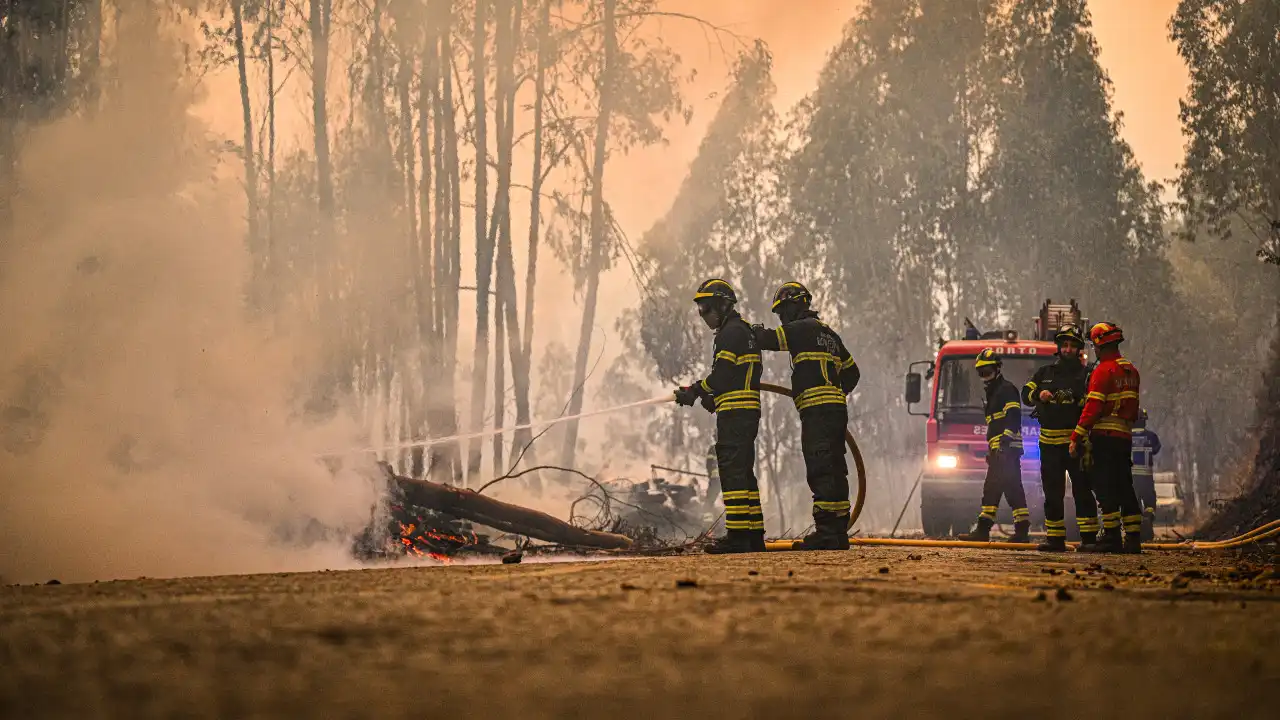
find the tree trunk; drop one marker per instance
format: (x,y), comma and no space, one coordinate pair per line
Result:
(502,516)
(319,26)
(599,235)
(535,183)
(451,242)
(520,357)
(250,169)
(269,239)
(484,248)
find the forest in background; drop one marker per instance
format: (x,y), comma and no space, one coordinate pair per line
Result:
(956,159)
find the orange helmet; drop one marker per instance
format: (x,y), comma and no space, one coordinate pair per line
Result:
(1105,333)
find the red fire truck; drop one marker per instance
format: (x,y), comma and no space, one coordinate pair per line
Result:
(955,434)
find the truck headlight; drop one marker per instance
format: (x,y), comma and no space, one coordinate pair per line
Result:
(948,462)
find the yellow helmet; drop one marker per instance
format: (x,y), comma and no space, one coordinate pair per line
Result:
(987,358)
(715,287)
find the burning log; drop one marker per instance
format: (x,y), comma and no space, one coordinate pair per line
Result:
(470,505)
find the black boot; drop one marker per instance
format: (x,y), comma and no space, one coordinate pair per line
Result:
(1148,527)
(1053,544)
(1132,544)
(829,533)
(1021,532)
(1088,538)
(981,533)
(1109,541)
(737,541)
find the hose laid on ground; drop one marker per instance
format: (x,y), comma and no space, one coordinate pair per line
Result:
(1258,534)
(860,498)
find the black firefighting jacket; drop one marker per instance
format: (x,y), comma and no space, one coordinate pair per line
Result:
(1004,417)
(1069,383)
(734,382)
(822,371)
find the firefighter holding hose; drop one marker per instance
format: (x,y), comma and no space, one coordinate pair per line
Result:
(1057,392)
(822,374)
(1004,452)
(732,392)
(1106,423)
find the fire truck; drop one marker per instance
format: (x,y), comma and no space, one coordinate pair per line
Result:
(955,428)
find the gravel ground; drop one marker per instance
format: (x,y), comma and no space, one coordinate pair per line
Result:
(872,632)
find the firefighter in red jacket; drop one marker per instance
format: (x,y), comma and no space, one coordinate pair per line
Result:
(1106,424)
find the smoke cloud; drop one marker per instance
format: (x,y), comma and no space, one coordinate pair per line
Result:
(149,428)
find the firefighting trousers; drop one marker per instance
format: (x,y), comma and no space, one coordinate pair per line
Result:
(1004,479)
(1055,464)
(736,456)
(1144,486)
(1113,481)
(822,429)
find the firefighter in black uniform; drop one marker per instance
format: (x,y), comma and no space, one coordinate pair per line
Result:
(1004,450)
(822,374)
(1057,393)
(732,391)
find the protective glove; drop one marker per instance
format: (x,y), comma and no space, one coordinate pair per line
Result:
(708,403)
(686,395)
(1074,449)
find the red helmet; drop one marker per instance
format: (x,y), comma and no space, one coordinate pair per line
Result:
(1105,333)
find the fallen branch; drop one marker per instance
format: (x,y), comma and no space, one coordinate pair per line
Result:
(473,506)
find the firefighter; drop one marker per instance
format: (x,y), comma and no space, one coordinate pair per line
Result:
(1106,424)
(1146,445)
(1057,392)
(822,374)
(1004,452)
(732,392)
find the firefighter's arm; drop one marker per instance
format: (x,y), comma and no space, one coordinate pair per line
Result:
(849,372)
(1009,419)
(770,339)
(1094,403)
(733,348)
(1029,391)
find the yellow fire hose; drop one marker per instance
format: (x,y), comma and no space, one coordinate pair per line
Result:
(1258,534)
(861,497)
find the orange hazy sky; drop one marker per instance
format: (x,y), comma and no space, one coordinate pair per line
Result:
(1149,78)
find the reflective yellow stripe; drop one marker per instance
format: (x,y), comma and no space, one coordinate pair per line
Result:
(1055,523)
(738,359)
(815,357)
(1111,422)
(705,386)
(1096,396)
(1122,395)
(1021,512)
(737,395)
(782,338)
(1055,433)
(741,494)
(821,391)
(741,509)
(848,363)
(1011,405)
(1031,386)
(835,506)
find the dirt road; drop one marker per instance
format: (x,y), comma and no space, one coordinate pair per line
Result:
(872,632)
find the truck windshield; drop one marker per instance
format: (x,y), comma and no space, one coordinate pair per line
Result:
(960,389)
